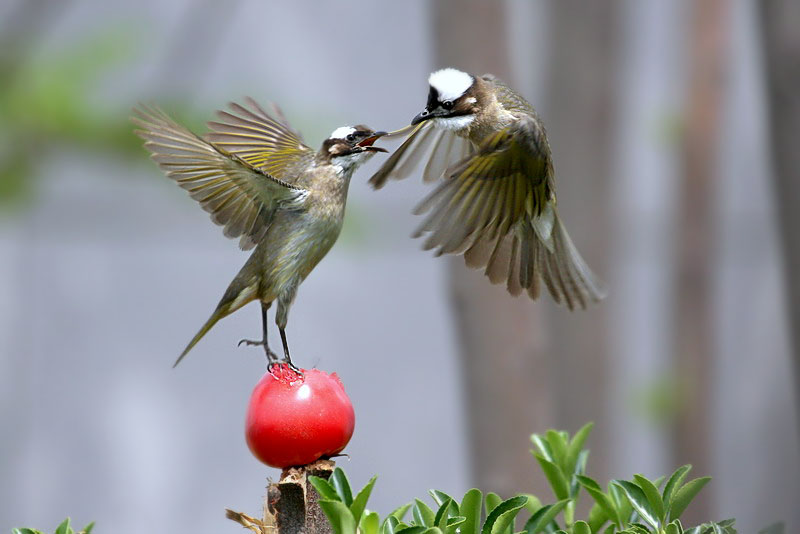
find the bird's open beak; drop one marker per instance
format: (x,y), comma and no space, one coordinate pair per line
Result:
(366,144)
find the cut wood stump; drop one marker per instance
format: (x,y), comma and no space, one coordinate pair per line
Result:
(291,505)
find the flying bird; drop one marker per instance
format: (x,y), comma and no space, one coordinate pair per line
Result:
(264,186)
(495,199)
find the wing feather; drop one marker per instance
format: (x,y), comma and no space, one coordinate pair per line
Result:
(488,207)
(240,197)
(261,140)
(425,142)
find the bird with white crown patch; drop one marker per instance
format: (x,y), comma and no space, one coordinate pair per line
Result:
(258,180)
(495,202)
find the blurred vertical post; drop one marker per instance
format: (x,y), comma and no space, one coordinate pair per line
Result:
(512,366)
(782,49)
(507,382)
(694,321)
(580,81)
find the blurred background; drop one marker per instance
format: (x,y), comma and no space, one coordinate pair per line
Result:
(674,127)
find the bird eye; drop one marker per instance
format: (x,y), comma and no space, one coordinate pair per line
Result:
(447,104)
(350,137)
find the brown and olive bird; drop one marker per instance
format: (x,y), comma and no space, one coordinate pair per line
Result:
(258,180)
(495,201)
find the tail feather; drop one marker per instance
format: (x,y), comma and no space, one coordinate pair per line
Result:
(216,316)
(237,295)
(534,253)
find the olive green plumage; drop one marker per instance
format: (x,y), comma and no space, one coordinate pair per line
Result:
(494,200)
(258,180)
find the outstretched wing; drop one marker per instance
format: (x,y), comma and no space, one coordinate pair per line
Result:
(437,147)
(240,197)
(498,207)
(263,141)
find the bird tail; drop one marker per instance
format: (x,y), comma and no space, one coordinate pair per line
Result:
(234,298)
(216,316)
(535,251)
(562,269)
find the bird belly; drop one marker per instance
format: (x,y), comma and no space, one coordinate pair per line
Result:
(300,250)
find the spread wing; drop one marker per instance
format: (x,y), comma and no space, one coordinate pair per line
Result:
(263,141)
(241,198)
(437,147)
(498,208)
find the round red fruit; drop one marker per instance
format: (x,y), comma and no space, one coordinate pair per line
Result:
(296,419)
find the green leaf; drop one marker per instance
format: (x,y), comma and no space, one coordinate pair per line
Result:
(492,500)
(25,531)
(370,523)
(439,497)
(414,529)
(360,502)
(339,515)
(638,528)
(88,528)
(621,503)
(502,517)
(672,528)
(576,445)
(539,521)
(597,517)
(400,512)
(554,475)
(342,485)
(558,444)
(442,514)
(653,496)
(610,529)
(684,496)
(580,469)
(470,508)
(581,527)
(639,501)
(390,525)
(324,488)
(533,504)
(602,500)
(63,528)
(674,482)
(422,513)
(543,446)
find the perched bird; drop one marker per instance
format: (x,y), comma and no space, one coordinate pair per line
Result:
(258,180)
(496,200)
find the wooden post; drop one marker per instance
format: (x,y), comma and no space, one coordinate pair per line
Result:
(291,505)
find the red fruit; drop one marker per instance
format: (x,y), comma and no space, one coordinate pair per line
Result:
(295,420)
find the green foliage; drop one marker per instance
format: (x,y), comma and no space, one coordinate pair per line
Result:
(63,528)
(636,506)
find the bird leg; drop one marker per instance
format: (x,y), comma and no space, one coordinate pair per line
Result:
(286,357)
(271,356)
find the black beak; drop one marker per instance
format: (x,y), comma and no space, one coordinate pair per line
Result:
(366,144)
(420,117)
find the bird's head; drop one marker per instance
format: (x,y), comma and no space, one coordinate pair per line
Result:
(351,146)
(452,100)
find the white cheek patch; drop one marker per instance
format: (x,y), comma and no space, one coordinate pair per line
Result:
(342,132)
(454,123)
(450,83)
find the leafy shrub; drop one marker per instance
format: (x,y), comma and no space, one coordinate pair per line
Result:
(636,506)
(63,528)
